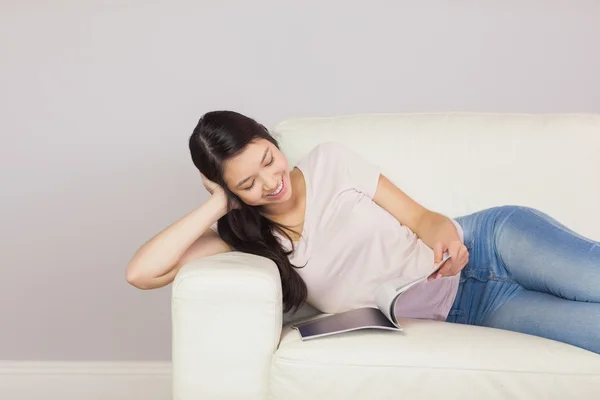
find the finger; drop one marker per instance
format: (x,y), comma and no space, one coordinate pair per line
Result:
(463,255)
(461,258)
(435,275)
(454,250)
(451,267)
(438,251)
(205,180)
(446,269)
(459,263)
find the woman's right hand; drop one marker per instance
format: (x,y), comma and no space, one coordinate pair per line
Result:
(215,190)
(211,186)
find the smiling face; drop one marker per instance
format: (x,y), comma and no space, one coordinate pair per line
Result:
(259,175)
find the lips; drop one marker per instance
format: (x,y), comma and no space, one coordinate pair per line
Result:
(278,191)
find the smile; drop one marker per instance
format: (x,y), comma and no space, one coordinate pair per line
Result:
(277,191)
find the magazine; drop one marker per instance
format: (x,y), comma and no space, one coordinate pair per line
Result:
(380,317)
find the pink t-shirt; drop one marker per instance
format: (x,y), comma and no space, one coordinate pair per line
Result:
(351,245)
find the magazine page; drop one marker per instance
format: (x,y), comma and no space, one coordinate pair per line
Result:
(389,292)
(380,317)
(360,318)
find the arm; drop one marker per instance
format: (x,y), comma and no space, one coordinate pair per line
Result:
(435,230)
(158,261)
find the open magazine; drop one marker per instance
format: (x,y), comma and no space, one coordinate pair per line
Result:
(380,317)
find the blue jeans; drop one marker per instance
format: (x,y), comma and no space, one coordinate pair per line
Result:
(529,273)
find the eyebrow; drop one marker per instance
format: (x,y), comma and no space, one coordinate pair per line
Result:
(261,161)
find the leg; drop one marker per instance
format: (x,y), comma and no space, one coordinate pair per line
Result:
(543,255)
(560,271)
(542,314)
(524,264)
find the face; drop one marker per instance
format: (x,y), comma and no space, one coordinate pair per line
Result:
(259,175)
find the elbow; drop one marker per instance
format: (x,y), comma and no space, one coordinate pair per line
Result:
(135,279)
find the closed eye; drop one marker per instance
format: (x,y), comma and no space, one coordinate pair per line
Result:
(251,186)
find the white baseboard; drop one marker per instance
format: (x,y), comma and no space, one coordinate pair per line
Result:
(25,380)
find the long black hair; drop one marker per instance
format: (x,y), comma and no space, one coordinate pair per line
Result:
(218,136)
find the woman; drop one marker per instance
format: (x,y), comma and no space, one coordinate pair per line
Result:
(337,228)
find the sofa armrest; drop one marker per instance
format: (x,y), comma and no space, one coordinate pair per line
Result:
(226,325)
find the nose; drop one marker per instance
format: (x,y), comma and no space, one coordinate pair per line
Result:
(271,184)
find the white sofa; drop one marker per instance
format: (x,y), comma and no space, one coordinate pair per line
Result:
(231,341)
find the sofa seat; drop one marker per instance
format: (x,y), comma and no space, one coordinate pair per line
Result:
(430,359)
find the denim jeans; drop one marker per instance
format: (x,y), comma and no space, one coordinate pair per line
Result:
(529,273)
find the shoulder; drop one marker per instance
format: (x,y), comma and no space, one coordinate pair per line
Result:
(322,160)
(340,166)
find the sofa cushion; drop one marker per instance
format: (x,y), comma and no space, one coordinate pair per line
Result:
(431,359)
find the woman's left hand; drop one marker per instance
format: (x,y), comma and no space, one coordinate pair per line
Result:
(459,257)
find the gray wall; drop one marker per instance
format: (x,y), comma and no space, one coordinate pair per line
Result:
(97,101)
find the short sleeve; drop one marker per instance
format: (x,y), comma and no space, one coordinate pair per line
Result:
(360,173)
(214,227)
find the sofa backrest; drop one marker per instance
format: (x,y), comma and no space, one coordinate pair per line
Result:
(459,163)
